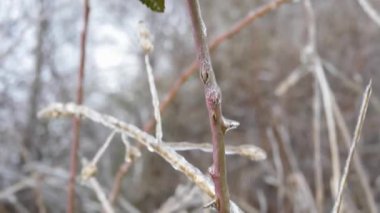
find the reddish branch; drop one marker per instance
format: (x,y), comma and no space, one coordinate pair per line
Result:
(213,97)
(235,29)
(76,120)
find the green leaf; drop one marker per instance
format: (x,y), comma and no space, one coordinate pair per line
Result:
(155,5)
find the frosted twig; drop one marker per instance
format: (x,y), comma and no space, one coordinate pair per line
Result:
(94,184)
(90,169)
(358,129)
(131,152)
(100,152)
(147,46)
(370,11)
(155,101)
(177,161)
(250,151)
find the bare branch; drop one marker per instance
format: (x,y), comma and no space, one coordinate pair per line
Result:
(250,151)
(290,81)
(100,152)
(358,129)
(177,161)
(213,98)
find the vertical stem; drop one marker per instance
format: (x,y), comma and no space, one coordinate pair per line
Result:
(35,90)
(317,149)
(76,120)
(213,97)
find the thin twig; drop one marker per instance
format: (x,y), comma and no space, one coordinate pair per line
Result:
(103,148)
(155,101)
(319,186)
(116,187)
(11,190)
(370,11)
(100,195)
(357,162)
(312,58)
(39,194)
(263,204)
(94,185)
(358,129)
(76,120)
(177,161)
(147,46)
(290,81)
(350,84)
(90,169)
(250,151)
(278,167)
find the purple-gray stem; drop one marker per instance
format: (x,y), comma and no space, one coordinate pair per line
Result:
(213,98)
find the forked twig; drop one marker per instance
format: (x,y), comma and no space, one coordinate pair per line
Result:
(231,32)
(358,129)
(90,169)
(177,161)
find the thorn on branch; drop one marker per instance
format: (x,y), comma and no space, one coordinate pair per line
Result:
(212,204)
(229,124)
